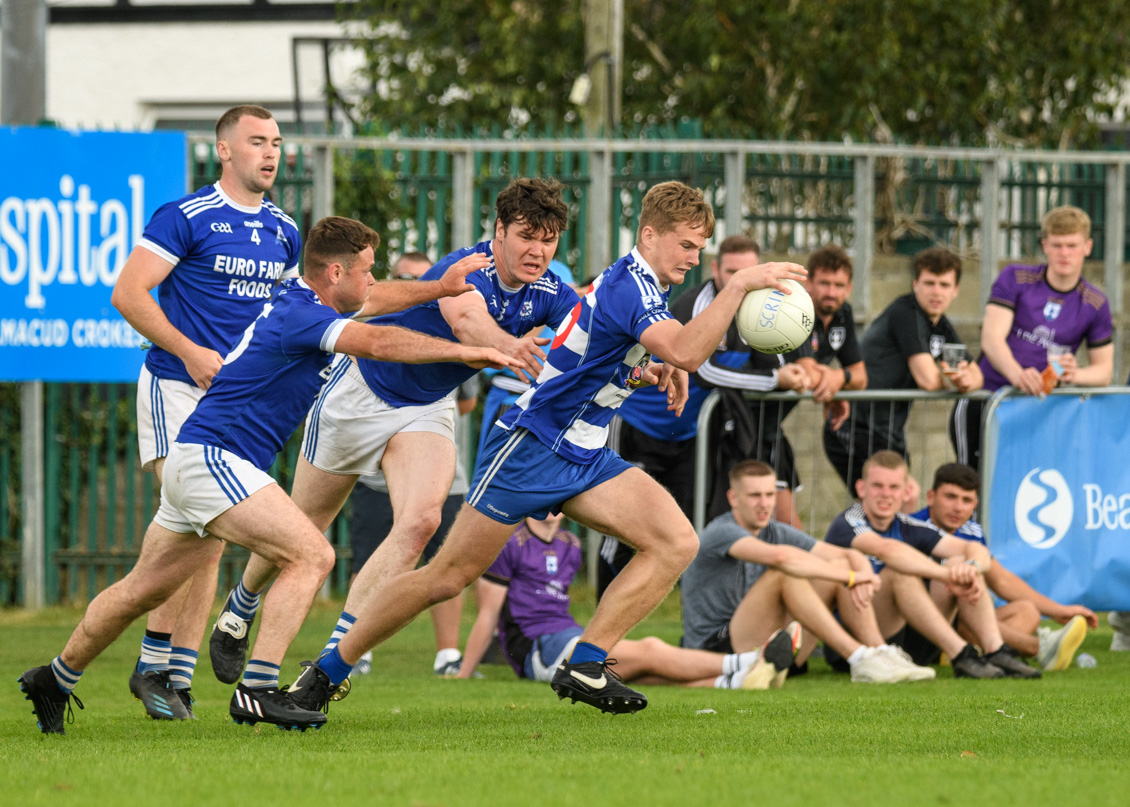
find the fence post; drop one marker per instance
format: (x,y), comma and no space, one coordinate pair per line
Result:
(323,204)
(864,243)
(600,211)
(31,493)
(990,224)
(735,191)
(1114,234)
(463,219)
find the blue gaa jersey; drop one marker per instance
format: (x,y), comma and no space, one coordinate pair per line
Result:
(227,259)
(595,362)
(516,311)
(270,379)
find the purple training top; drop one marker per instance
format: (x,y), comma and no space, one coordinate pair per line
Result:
(538,575)
(1043,316)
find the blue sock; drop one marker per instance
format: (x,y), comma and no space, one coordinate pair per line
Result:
(344,623)
(587,652)
(155,650)
(261,675)
(244,604)
(65,677)
(182,664)
(333,665)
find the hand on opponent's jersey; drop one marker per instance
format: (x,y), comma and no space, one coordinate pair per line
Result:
(202,364)
(454,280)
(527,352)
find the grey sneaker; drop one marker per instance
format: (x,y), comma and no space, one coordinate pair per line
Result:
(1009,660)
(1120,621)
(1057,647)
(971,664)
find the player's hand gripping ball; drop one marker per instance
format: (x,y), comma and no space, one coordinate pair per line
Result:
(774,322)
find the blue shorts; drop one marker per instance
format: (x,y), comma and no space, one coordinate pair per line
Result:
(549,651)
(519,476)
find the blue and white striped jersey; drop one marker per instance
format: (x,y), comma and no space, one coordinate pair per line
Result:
(270,379)
(595,362)
(226,258)
(547,301)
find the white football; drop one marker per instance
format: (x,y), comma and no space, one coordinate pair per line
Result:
(774,322)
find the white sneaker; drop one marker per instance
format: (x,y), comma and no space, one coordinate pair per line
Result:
(900,659)
(1057,647)
(875,668)
(364,665)
(1120,621)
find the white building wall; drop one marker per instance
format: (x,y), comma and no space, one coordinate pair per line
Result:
(129,75)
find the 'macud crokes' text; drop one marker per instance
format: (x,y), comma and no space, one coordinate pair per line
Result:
(265,274)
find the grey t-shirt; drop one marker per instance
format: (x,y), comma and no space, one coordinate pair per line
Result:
(715,583)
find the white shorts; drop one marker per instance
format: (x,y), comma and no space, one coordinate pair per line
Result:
(163,405)
(348,428)
(199,483)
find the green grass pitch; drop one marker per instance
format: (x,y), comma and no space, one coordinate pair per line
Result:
(404,737)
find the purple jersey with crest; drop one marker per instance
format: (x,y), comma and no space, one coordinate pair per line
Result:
(1043,316)
(538,574)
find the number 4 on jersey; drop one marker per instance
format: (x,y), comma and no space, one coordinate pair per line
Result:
(255,235)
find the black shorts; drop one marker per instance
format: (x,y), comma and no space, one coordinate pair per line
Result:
(719,642)
(372,521)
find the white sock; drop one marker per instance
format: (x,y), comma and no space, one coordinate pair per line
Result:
(858,655)
(725,681)
(732,662)
(446,656)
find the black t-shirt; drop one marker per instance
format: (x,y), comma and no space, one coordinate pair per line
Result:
(838,340)
(901,331)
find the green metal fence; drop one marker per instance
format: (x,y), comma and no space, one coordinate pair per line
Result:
(99,500)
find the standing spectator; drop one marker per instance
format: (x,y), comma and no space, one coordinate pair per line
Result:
(833,337)
(1036,313)
(900,350)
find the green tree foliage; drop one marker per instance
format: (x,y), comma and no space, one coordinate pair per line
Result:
(1024,72)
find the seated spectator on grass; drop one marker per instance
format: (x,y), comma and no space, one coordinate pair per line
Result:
(905,550)
(526,594)
(753,574)
(951,505)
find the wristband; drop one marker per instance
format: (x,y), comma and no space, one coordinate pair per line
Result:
(847,376)
(975,565)
(851,578)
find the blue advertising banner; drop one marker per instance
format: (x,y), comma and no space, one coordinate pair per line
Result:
(1060,496)
(72,206)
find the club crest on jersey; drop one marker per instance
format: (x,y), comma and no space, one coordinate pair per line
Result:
(550,563)
(1052,309)
(652,301)
(527,309)
(836,337)
(936,342)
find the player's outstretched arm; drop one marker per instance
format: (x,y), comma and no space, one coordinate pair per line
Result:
(390,343)
(143,272)
(688,346)
(1008,586)
(994,332)
(390,296)
(473,324)
(491,597)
